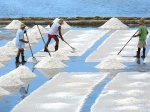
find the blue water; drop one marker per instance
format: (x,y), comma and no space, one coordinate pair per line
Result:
(74,8)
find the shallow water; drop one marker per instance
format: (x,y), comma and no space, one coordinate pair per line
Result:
(73,8)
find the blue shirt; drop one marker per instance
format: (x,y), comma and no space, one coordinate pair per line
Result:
(19,36)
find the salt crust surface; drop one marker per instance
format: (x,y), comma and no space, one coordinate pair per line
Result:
(57,97)
(64,26)
(1,65)
(111,62)
(128,99)
(50,62)
(114,23)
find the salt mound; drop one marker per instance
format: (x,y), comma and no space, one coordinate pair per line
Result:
(60,55)
(50,62)
(11,84)
(12,46)
(114,23)
(34,31)
(63,26)
(15,24)
(23,73)
(111,62)
(7,51)
(3,93)
(4,58)
(31,39)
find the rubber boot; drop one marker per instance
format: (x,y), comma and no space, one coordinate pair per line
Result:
(23,59)
(17,59)
(45,49)
(56,47)
(143,56)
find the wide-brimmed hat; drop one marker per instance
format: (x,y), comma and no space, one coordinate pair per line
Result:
(141,21)
(61,21)
(22,25)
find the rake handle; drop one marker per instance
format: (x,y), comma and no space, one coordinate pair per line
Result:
(29,45)
(43,40)
(126,43)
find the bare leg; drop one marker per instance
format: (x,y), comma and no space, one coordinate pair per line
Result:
(46,45)
(57,43)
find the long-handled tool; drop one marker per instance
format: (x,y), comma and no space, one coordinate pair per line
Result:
(34,59)
(126,43)
(43,41)
(69,45)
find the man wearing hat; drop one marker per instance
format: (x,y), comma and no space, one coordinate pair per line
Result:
(142,34)
(20,42)
(55,29)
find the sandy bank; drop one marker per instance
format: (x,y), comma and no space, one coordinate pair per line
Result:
(74,20)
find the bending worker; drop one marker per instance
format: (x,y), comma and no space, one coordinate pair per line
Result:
(142,38)
(20,42)
(55,29)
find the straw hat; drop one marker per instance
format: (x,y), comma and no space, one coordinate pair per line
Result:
(141,21)
(22,25)
(61,21)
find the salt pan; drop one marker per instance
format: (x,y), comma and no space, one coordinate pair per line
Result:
(111,62)
(50,62)
(114,23)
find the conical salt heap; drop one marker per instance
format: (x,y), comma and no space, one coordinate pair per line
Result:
(15,24)
(49,63)
(34,31)
(23,73)
(63,26)
(113,23)
(11,84)
(111,62)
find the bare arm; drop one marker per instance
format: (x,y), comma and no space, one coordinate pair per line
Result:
(23,41)
(59,30)
(50,24)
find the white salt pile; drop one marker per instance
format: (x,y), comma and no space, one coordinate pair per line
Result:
(23,73)
(114,23)
(63,26)
(127,108)
(111,62)
(12,46)
(34,31)
(7,51)
(4,58)
(31,39)
(11,84)
(3,93)
(50,62)
(60,56)
(15,24)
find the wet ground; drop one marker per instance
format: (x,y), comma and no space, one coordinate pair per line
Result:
(75,64)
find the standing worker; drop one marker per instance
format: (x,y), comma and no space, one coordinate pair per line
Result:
(142,38)
(20,42)
(55,29)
